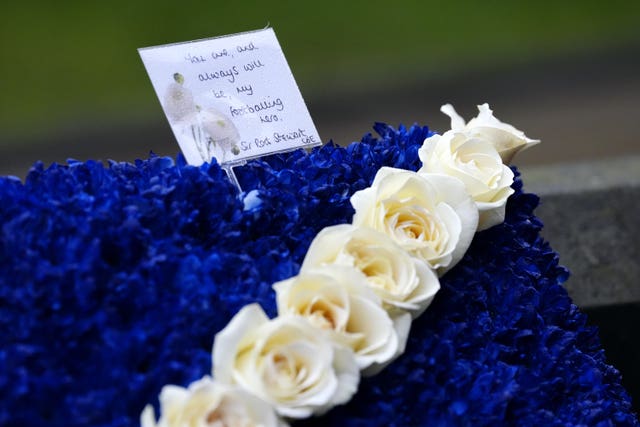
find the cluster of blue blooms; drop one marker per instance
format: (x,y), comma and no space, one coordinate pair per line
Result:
(114,280)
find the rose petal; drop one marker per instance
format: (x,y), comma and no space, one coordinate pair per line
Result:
(227,341)
(457,122)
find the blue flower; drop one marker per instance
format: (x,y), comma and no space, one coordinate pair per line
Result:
(114,280)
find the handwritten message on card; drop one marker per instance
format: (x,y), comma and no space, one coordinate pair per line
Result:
(231,98)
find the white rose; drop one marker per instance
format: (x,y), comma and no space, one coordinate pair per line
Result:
(429,215)
(337,300)
(400,281)
(207,403)
(507,140)
(476,163)
(285,362)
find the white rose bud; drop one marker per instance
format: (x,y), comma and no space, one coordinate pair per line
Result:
(285,362)
(507,140)
(207,403)
(402,282)
(429,215)
(337,300)
(476,163)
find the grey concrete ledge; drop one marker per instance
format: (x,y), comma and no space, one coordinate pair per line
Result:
(571,178)
(591,215)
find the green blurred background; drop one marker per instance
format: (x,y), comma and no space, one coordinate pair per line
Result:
(73,85)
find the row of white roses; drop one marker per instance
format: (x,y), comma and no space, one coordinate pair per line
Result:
(349,310)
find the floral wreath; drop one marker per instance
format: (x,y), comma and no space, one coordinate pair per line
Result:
(349,310)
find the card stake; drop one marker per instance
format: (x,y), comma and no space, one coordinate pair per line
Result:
(231,98)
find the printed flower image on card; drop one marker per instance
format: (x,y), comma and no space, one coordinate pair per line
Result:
(212,132)
(230,98)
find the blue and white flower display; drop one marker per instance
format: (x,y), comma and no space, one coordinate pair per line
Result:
(115,281)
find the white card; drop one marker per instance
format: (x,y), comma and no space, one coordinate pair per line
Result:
(232,98)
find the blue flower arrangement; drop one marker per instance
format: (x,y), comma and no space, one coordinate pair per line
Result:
(114,280)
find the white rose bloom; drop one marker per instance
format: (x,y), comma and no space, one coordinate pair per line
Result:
(402,282)
(285,362)
(476,163)
(507,140)
(337,299)
(207,403)
(429,215)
